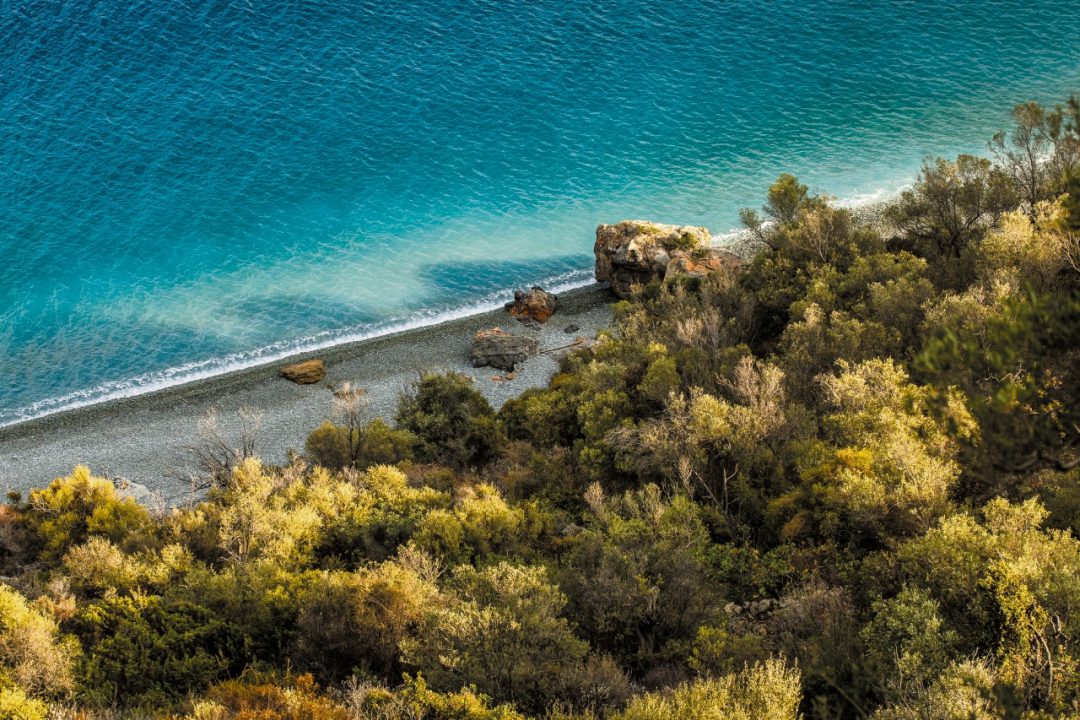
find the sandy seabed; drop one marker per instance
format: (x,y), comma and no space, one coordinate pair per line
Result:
(147,440)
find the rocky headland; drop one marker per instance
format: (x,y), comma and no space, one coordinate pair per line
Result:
(633,253)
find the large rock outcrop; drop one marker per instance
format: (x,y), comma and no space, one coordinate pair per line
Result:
(499,349)
(633,253)
(535,304)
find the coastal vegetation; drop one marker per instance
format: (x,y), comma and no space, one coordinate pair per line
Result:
(838,480)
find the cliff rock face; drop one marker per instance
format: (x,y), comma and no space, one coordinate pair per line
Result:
(499,349)
(633,253)
(536,304)
(305,373)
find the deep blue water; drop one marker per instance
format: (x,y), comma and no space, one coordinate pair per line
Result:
(188,186)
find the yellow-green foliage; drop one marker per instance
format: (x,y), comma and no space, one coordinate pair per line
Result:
(415,701)
(1013,585)
(258,519)
(1025,251)
(291,699)
(15,705)
(32,656)
(374,443)
(480,524)
(887,467)
(81,505)
(500,630)
(963,691)
(769,691)
(358,621)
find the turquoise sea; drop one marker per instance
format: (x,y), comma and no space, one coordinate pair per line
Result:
(188,187)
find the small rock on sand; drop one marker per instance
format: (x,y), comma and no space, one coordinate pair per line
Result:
(305,373)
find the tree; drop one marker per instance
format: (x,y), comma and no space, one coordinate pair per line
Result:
(786,201)
(1038,152)
(949,209)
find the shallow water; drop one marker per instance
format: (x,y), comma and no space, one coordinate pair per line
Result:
(192,186)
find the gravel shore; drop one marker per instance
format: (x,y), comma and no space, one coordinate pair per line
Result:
(147,439)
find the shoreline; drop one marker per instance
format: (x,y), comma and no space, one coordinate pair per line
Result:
(217,367)
(145,439)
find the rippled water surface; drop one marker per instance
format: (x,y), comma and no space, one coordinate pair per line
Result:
(192,186)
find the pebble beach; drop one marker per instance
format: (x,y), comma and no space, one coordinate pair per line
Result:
(146,441)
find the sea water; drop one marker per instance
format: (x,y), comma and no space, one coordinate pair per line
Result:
(188,187)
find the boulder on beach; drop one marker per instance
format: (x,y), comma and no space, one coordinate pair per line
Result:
(499,349)
(633,253)
(536,304)
(306,372)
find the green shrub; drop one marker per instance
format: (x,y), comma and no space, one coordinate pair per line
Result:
(374,443)
(769,691)
(356,621)
(415,701)
(15,705)
(32,657)
(75,507)
(150,651)
(452,421)
(500,630)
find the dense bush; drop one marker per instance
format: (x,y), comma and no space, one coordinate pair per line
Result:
(374,443)
(452,421)
(151,651)
(32,656)
(499,630)
(358,621)
(762,692)
(80,505)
